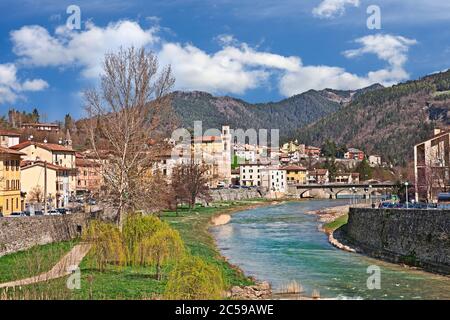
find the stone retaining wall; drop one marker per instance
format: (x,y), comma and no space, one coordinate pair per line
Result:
(21,233)
(414,237)
(234,194)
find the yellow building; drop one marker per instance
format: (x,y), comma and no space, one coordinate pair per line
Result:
(10,181)
(59,159)
(296,175)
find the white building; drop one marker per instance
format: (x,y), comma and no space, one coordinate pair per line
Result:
(250,174)
(274,179)
(374,160)
(8,138)
(245,154)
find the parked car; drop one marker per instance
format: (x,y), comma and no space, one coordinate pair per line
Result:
(92,202)
(53,212)
(38,213)
(18,214)
(62,210)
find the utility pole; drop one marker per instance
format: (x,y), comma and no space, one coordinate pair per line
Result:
(406,187)
(45,187)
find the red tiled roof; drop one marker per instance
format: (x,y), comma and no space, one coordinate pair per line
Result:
(10,151)
(9,133)
(47,146)
(294,168)
(28,164)
(86,163)
(207,139)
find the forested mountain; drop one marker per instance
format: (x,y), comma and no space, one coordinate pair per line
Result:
(287,115)
(388,121)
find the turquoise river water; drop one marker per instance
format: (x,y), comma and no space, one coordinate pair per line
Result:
(281,243)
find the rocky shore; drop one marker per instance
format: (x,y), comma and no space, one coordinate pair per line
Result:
(259,291)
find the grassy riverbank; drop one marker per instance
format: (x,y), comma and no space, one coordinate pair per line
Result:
(139,282)
(32,262)
(336,224)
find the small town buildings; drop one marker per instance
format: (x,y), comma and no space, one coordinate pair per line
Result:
(296,175)
(312,151)
(47,127)
(216,153)
(347,178)
(318,176)
(245,153)
(293,146)
(235,176)
(273,178)
(49,152)
(354,154)
(89,175)
(250,174)
(9,138)
(375,160)
(10,181)
(432,166)
(63,162)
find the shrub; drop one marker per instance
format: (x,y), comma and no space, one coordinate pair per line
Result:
(107,244)
(164,246)
(136,229)
(194,279)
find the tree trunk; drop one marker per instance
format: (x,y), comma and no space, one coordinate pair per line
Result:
(158,270)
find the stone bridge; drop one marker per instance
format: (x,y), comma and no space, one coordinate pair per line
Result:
(332,190)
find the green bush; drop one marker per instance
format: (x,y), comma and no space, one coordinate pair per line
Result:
(194,279)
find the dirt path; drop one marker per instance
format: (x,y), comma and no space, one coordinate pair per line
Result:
(64,267)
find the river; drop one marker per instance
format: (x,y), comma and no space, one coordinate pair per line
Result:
(281,243)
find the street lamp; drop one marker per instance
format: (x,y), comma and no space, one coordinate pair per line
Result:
(406,192)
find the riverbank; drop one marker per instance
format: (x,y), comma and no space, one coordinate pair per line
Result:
(332,219)
(282,245)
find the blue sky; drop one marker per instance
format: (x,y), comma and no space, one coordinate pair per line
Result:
(255,50)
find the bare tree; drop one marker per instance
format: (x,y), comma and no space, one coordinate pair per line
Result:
(128,116)
(36,195)
(190,182)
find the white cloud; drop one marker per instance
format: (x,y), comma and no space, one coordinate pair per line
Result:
(34,85)
(233,69)
(389,48)
(333,8)
(36,47)
(11,87)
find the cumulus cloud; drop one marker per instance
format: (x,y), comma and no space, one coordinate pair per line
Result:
(333,8)
(11,87)
(390,48)
(37,47)
(234,68)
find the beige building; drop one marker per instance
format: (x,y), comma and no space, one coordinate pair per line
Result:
(432,167)
(250,174)
(8,138)
(89,176)
(215,151)
(274,179)
(58,158)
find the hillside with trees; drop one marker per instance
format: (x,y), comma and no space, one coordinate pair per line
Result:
(387,121)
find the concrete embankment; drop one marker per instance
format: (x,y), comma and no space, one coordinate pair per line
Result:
(419,238)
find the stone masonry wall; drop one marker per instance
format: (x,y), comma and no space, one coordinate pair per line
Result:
(414,237)
(235,194)
(21,233)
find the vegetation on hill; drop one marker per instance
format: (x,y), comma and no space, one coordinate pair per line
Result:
(287,115)
(388,121)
